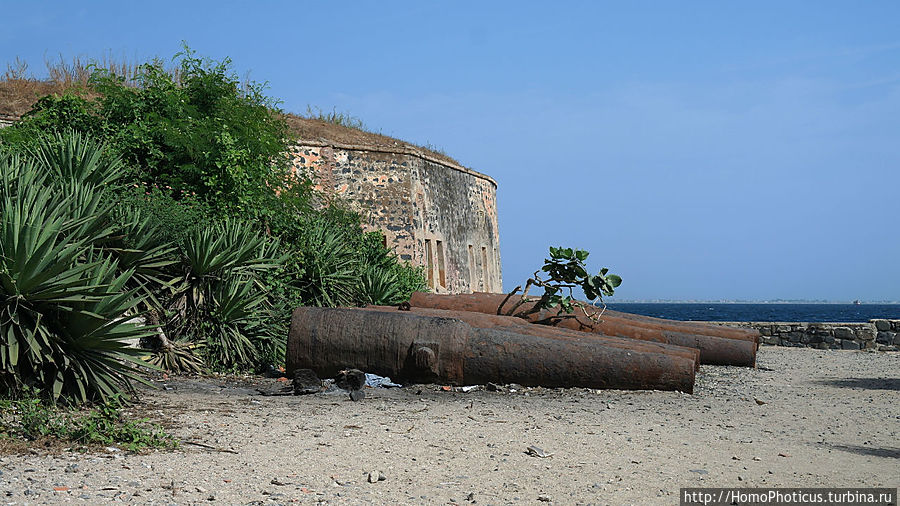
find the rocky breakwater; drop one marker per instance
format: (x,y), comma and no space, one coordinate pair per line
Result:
(882,335)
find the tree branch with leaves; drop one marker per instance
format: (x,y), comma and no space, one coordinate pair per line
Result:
(565,271)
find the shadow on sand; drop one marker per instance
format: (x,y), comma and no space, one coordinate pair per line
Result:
(864,383)
(887,453)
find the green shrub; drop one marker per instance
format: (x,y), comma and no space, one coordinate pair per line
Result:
(385,280)
(30,418)
(222,303)
(326,269)
(54,114)
(64,306)
(198,130)
(566,271)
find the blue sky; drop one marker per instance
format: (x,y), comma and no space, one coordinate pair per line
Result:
(701,150)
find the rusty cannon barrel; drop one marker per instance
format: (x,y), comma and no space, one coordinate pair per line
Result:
(421,348)
(480,300)
(513,324)
(688,326)
(714,349)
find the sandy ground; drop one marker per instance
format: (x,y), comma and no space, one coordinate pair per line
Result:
(828,418)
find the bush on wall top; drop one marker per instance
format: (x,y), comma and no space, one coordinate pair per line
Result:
(196,129)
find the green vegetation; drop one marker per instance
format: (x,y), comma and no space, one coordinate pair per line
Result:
(64,320)
(161,210)
(566,270)
(29,418)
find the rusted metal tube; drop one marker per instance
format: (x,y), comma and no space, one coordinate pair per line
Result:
(513,324)
(423,348)
(689,327)
(714,349)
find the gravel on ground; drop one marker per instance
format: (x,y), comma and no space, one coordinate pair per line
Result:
(804,417)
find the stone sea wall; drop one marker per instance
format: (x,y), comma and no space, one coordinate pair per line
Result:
(881,335)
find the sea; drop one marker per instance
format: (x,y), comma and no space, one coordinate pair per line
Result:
(778,312)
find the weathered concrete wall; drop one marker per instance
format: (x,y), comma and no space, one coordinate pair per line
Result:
(433,213)
(876,334)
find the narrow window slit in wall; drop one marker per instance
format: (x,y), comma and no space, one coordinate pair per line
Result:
(473,277)
(429,263)
(499,269)
(486,282)
(479,267)
(442,275)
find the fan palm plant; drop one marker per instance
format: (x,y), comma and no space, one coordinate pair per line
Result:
(63,308)
(220,306)
(380,285)
(235,323)
(75,157)
(327,266)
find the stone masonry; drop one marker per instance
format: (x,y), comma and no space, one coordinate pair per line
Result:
(433,212)
(881,335)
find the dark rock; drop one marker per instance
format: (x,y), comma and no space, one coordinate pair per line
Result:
(865,333)
(882,325)
(843,333)
(357,395)
(884,337)
(350,379)
(847,344)
(306,382)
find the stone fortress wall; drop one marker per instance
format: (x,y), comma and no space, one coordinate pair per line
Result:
(433,212)
(881,335)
